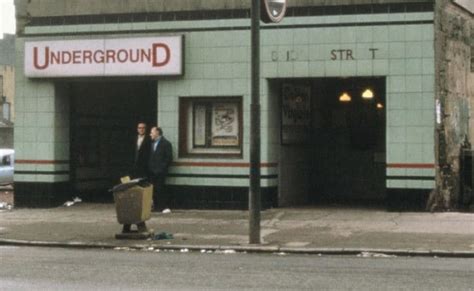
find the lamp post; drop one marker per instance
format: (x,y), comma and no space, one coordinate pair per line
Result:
(254,191)
(267,11)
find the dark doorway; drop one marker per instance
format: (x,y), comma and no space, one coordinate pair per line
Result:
(103,123)
(341,157)
(348,141)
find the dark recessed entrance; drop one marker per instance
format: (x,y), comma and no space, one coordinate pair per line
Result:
(340,155)
(103,123)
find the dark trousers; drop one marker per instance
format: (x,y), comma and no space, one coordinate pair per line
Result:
(139,171)
(161,197)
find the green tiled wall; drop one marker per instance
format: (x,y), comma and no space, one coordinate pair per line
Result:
(217,63)
(42,127)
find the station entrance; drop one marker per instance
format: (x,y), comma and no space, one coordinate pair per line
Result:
(332,140)
(103,121)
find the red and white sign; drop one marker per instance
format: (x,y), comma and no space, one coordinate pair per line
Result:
(154,56)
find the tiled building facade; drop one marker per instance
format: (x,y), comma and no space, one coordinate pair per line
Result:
(67,127)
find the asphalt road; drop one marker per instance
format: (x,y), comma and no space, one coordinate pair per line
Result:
(25,268)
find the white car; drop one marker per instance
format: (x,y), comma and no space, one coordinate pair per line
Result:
(7,161)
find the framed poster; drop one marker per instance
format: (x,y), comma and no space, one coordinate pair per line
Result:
(295,114)
(225,124)
(199,125)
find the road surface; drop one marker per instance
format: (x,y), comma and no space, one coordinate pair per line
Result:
(28,268)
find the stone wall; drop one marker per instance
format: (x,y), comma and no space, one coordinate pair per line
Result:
(7,50)
(8,90)
(7,69)
(470,87)
(454,97)
(6,137)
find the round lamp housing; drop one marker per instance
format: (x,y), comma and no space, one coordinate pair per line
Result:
(272,10)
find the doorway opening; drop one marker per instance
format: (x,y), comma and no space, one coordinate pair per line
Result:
(104,116)
(336,151)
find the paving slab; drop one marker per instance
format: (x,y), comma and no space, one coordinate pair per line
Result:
(298,230)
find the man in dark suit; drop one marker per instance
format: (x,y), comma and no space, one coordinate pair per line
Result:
(140,164)
(160,159)
(142,152)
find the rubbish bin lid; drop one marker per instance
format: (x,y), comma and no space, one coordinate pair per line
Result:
(128,185)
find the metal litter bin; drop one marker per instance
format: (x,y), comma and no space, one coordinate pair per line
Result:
(133,202)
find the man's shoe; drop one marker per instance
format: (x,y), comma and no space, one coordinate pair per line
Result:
(126,228)
(141,227)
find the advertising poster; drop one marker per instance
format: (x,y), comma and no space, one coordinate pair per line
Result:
(225,124)
(295,114)
(199,125)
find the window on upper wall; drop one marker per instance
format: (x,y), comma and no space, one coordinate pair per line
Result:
(210,126)
(1,86)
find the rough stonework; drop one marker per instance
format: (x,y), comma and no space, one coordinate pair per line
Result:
(454,94)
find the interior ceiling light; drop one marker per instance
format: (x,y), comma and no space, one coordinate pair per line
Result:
(368,94)
(379,105)
(345,97)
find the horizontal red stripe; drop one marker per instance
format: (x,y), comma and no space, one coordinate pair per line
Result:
(226,165)
(412,166)
(42,162)
(229,165)
(178,164)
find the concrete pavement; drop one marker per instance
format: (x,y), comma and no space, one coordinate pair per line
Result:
(325,230)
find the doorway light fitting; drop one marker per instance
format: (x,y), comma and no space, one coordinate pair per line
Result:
(345,97)
(368,94)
